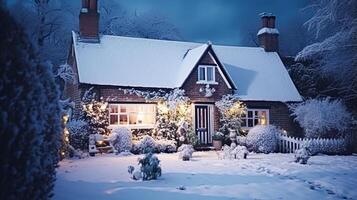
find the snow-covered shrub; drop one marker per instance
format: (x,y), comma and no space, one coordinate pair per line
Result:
(95,113)
(78,134)
(234,151)
(185,134)
(185,151)
(166,146)
(324,118)
(150,167)
(231,111)
(326,146)
(30,118)
(302,155)
(145,145)
(242,140)
(121,139)
(263,139)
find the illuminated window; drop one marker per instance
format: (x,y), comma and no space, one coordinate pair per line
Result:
(206,74)
(255,117)
(132,115)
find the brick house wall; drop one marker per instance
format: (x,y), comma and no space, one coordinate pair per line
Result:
(279,115)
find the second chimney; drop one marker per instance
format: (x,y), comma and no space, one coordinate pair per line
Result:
(89,21)
(268,34)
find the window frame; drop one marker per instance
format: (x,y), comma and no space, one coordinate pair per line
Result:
(128,113)
(246,118)
(206,81)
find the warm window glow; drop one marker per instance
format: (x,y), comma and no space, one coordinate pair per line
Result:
(132,115)
(255,117)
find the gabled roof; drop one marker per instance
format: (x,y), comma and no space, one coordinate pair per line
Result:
(138,62)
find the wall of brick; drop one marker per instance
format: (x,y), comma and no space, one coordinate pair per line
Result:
(279,115)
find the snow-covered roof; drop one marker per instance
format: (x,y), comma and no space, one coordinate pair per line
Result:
(268,30)
(138,62)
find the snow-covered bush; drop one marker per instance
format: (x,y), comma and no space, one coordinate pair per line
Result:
(185,151)
(263,139)
(185,134)
(121,139)
(242,140)
(30,118)
(324,118)
(234,151)
(231,111)
(78,134)
(302,155)
(326,146)
(95,113)
(166,146)
(145,145)
(150,167)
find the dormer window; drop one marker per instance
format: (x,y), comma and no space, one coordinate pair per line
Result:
(206,74)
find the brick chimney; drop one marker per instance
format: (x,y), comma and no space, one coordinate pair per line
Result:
(89,21)
(268,34)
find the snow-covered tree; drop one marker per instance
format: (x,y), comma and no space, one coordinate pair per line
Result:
(322,118)
(30,118)
(334,52)
(78,134)
(231,111)
(95,113)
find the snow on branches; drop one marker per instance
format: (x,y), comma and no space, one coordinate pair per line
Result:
(231,111)
(65,72)
(95,113)
(322,117)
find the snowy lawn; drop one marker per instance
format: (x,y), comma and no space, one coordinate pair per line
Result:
(261,176)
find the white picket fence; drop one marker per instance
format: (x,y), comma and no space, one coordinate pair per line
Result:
(287,144)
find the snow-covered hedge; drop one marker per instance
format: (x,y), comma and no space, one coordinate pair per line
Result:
(166,146)
(78,134)
(186,151)
(121,139)
(145,145)
(263,139)
(324,118)
(326,146)
(149,144)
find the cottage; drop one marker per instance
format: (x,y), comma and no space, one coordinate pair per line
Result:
(205,71)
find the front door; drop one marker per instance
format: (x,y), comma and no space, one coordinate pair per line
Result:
(203,123)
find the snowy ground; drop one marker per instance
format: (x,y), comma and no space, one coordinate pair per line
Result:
(272,176)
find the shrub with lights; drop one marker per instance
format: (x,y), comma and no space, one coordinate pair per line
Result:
(231,111)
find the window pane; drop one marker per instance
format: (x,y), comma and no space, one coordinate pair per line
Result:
(250,122)
(133,118)
(202,74)
(256,121)
(113,119)
(123,119)
(122,108)
(263,118)
(113,108)
(250,114)
(210,74)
